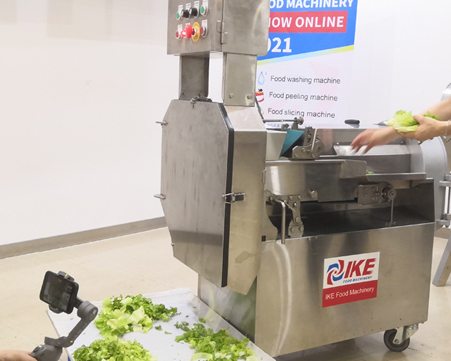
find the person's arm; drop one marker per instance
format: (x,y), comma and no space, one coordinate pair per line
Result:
(14,355)
(442,109)
(428,127)
(372,137)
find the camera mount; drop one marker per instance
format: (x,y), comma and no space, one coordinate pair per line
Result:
(52,348)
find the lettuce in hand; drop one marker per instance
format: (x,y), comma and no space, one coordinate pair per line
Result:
(404,122)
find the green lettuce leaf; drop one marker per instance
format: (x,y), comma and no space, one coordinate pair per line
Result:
(404,122)
(121,315)
(113,349)
(219,346)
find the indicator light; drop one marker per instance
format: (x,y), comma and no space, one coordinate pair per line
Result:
(204,9)
(178,35)
(203,31)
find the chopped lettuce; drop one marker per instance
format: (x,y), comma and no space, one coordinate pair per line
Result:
(404,122)
(219,346)
(121,315)
(111,349)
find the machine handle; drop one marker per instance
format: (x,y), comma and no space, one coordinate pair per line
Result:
(229,198)
(352,121)
(284,221)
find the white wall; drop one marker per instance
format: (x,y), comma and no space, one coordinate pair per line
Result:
(82,83)
(402,57)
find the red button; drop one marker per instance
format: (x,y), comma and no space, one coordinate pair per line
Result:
(188,32)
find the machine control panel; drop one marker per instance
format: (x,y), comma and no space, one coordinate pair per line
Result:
(201,26)
(189,29)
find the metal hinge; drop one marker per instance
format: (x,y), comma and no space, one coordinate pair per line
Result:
(233,197)
(220,28)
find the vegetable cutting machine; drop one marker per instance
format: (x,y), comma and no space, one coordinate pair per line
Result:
(298,242)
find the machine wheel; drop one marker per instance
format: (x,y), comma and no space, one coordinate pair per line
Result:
(388,340)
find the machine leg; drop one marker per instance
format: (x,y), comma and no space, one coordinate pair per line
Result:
(444,267)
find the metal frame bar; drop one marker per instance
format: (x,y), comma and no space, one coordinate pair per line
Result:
(444,267)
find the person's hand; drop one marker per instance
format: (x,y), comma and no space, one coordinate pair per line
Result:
(14,355)
(372,137)
(428,128)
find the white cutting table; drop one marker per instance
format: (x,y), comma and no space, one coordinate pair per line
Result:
(158,343)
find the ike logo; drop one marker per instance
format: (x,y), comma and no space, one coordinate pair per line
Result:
(350,278)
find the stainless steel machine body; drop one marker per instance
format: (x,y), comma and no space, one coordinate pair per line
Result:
(317,246)
(284,311)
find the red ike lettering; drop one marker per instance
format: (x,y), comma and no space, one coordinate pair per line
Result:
(354,268)
(369,265)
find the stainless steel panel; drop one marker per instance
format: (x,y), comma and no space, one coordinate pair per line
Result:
(344,137)
(436,166)
(194,177)
(193,76)
(444,268)
(239,80)
(387,159)
(333,180)
(246,216)
(209,152)
(274,144)
(289,313)
(212,42)
(247,27)
(239,27)
(235,307)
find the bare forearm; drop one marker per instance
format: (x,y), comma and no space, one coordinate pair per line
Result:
(442,109)
(14,355)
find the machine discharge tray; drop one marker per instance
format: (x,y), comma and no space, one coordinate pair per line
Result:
(158,343)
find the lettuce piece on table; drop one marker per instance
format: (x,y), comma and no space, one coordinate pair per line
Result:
(215,346)
(115,349)
(121,315)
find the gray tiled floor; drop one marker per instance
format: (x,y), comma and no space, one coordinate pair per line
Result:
(143,263)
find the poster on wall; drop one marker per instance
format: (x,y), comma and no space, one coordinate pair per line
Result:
(307,70)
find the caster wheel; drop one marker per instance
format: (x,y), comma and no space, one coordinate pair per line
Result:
(389,336)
